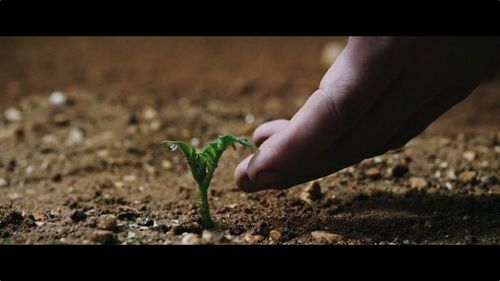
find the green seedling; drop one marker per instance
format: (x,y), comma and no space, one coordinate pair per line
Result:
(203,165)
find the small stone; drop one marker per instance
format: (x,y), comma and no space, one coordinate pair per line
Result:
(13,115)
(275,235)
(107,222)
(449,186)
(325,236)
(3,182)
(210,237)
(57,98)
(467,176)
(131,235)
(149,113)
(399,170)
(253,239)
(195,141)
(147,222)
(104,237)
(49,139)
(129,178)
(191,239)
(373,173)
(39,216)
(418,182)
(165,164)
(312,192)
(102,153)
(489,180)
(469,155)
(78,216)
(39,223)
(451,175)
(155,125)
(75,136)
(249,118)
(14,196)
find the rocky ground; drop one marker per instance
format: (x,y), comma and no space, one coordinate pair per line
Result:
(81,160)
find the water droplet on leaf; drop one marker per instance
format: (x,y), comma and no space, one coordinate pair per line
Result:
(172,147)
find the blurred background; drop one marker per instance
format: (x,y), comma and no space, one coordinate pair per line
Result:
(261,66)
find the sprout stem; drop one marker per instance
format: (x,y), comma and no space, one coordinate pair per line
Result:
(204,211)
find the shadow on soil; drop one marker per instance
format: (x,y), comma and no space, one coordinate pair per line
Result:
(416,217)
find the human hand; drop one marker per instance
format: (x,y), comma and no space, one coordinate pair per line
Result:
(379,94)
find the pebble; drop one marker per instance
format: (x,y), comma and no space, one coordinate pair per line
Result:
(107,222)
(469,155)
(131,235)
(312,192)
(191,239)
(195,141)
(399,170)
(49,139)
(451,175)
(104,237)
(253,239)
(149,113)
(75,136)
(3,182)
(210,236)
(13,115)
(275,235)
(373,173)
(449,186)
(39,216)
(326,236)
(249,118)
(497,148)
(330,52)
(155,125)
(57,98)
(467,176)
(418,182)
(147,222)
(78,215)
(489,180)
(167,165)
(129,178)
(39,223)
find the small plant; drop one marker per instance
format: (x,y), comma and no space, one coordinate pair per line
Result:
(203,166)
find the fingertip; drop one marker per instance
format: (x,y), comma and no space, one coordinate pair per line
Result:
(241,176)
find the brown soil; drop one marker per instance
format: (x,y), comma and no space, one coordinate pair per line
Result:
(93,171)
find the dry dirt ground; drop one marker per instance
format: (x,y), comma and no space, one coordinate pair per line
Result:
(91,169)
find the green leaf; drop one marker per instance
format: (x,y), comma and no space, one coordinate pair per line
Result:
(204,163)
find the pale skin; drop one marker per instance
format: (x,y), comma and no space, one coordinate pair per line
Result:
(380,93)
